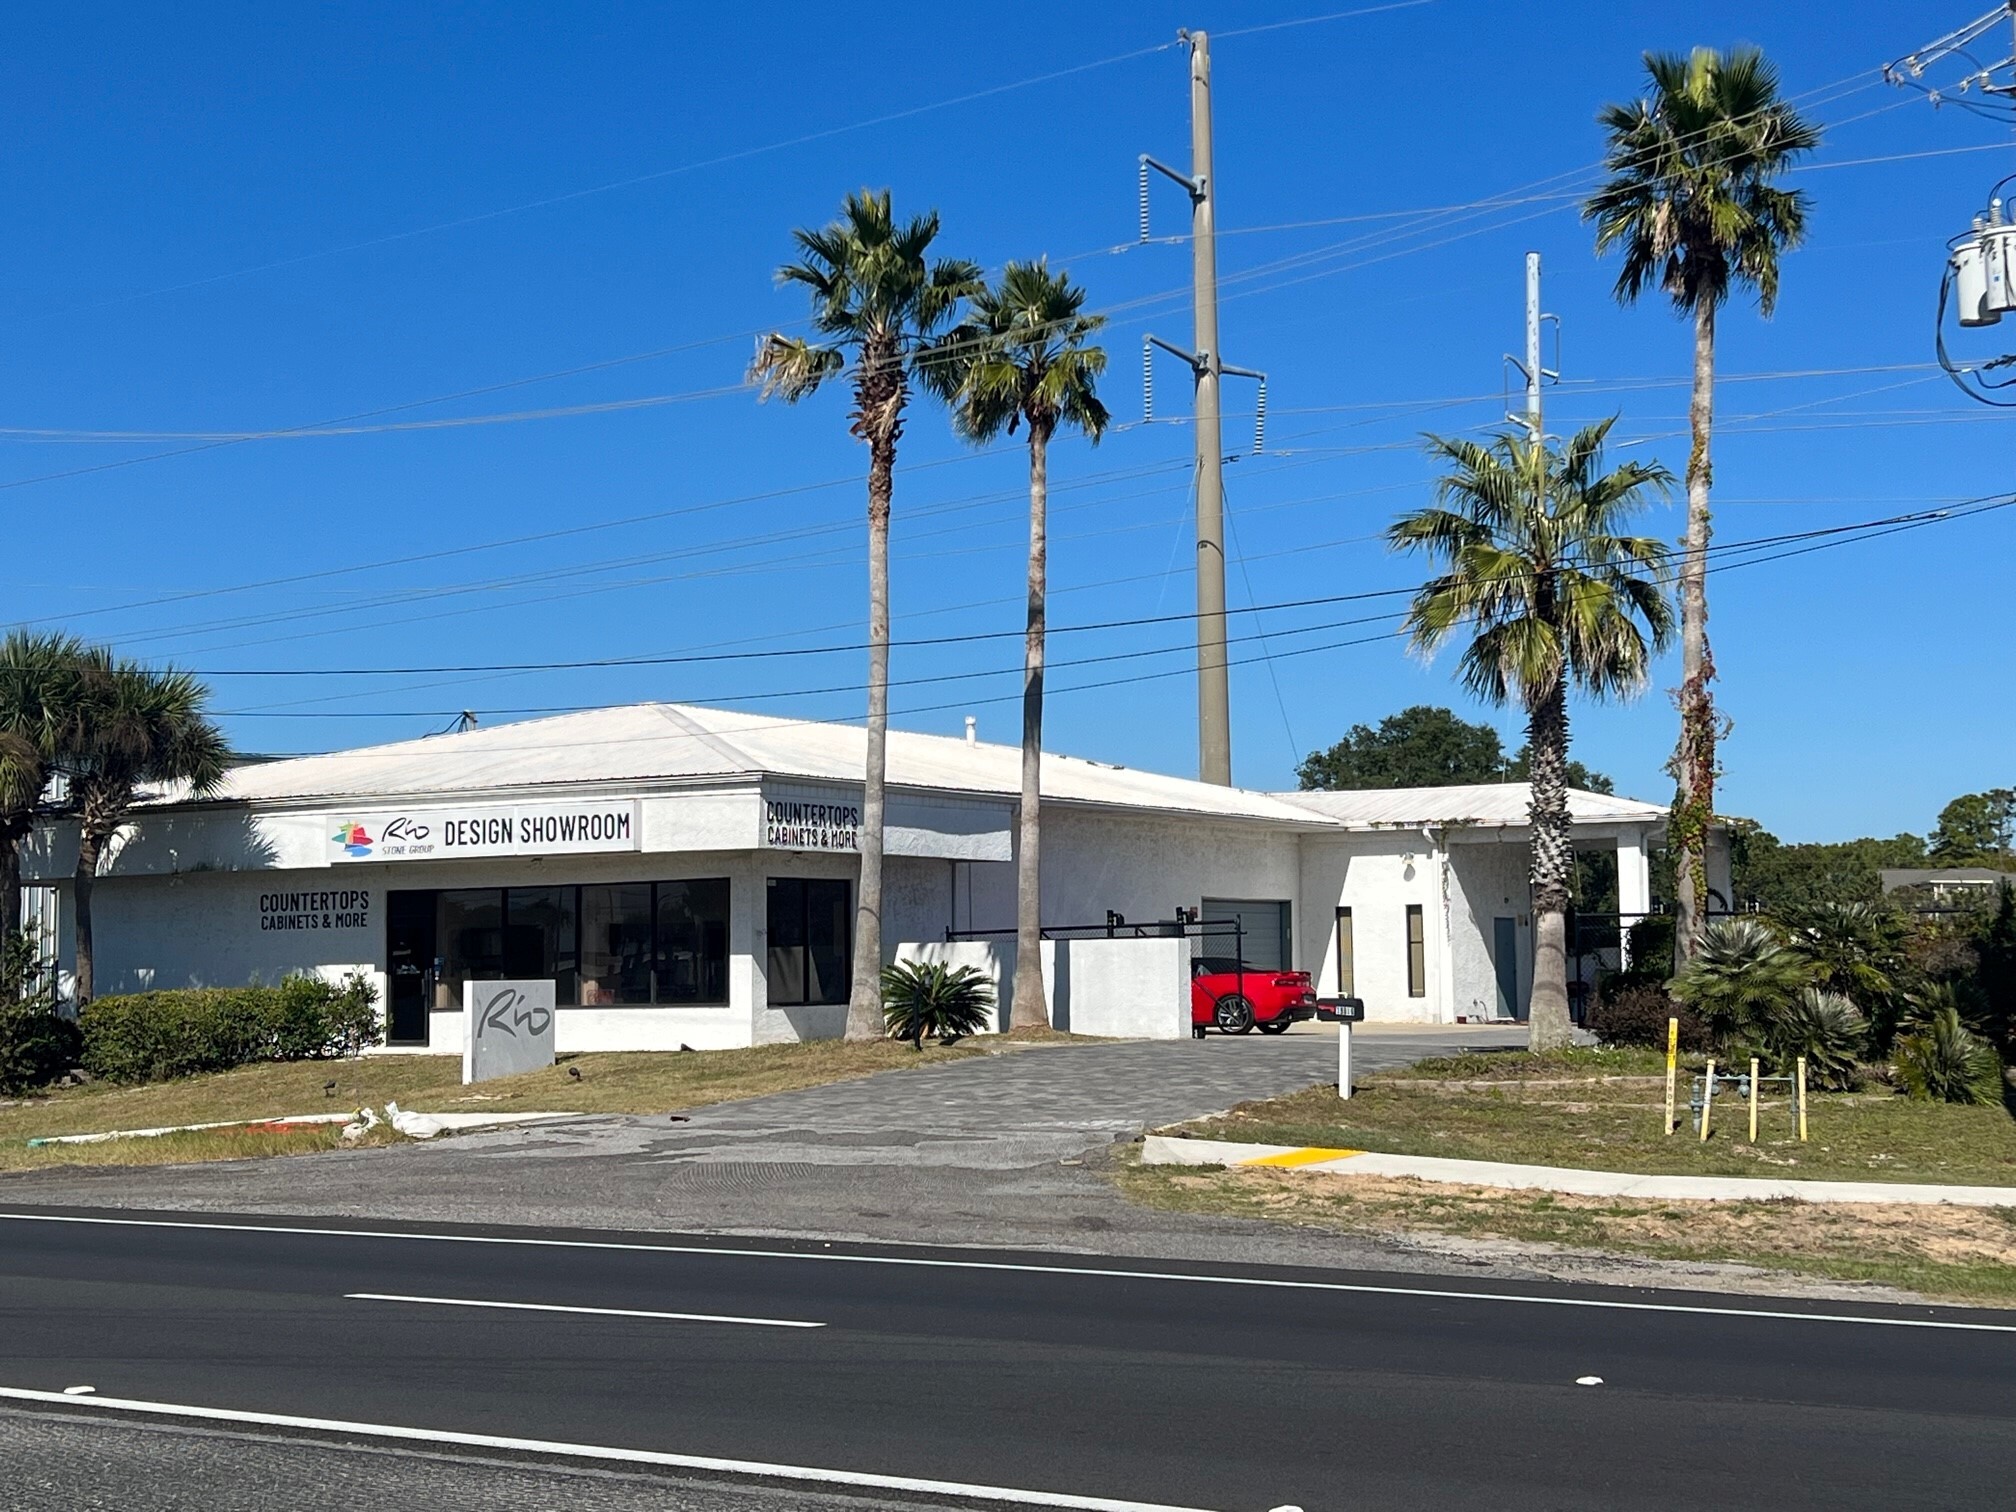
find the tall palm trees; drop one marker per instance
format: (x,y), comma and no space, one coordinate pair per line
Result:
(1693,203)
(137,728)
(877,300)
(1528,541)
(1021,358)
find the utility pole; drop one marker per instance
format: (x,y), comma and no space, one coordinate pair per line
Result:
(1536,374)
(1214,694)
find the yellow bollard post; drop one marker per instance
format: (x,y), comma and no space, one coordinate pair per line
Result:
(1753,1099)
(1802,1099)
(1672,1069)
(1707,1098)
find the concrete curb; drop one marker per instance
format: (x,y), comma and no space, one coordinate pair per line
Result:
(1162,1149)
(449,1121)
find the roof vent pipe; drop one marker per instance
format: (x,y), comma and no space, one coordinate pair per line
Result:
(972,731)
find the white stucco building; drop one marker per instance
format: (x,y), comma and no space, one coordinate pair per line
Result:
(686,875)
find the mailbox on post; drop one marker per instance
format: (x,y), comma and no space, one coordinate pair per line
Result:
(1343,1012)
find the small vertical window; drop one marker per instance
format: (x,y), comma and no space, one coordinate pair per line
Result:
(1347,956)
(1417,953)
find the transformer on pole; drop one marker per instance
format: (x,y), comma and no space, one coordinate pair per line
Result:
(1979,281)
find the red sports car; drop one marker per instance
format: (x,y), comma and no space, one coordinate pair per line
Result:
(1235,999)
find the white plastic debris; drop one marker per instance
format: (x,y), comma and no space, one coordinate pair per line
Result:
(413,1125)
(362,1124)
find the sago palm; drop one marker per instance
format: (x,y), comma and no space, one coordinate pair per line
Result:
(877,299)
(1022,358)
(1556,597)
(139,728)
(1693,204)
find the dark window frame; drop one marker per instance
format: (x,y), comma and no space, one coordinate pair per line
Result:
(657,968)
(1347,955)
(804,943)
(1417,951)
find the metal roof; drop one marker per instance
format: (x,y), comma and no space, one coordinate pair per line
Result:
(659,744)
(1491,803)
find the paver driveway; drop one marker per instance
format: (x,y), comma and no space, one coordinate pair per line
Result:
(982,1151)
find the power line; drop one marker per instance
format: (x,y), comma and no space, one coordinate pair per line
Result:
(1910,519)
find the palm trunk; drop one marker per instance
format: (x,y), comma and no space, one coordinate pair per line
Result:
(1694,757)
(1548,1024)
(864,1002)
(89,846)
(1029,1011)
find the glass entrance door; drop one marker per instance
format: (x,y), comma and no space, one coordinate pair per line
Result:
(409,964)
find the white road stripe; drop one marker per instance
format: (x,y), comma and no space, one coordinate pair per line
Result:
(1024,1268)
(604,1452)
(602,1312)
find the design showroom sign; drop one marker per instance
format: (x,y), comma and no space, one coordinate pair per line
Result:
(447,834)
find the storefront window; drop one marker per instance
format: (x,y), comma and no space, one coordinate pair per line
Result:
(469,934)
(811,940)
(539,937)
(693,941)
(616,944)
(600,946)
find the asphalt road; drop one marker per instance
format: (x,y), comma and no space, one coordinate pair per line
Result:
(1173,1385)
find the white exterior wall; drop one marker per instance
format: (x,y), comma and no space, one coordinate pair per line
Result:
(1146,868)
(1488,880)
(1372,875)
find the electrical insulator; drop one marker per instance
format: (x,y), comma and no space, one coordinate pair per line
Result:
(1144,199)
(1147,381)
(1260,420)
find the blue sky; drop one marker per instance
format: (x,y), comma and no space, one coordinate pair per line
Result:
(239,219)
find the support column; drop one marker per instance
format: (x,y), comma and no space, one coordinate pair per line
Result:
(1634,886)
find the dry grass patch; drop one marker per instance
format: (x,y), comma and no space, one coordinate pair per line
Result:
(1953,1253)
(1603,1110)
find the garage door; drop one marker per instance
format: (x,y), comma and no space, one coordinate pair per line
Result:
(1265,925)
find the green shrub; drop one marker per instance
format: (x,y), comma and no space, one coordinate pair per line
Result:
(1940,1060)
(37,1043)
(152,1036)
(1744,977)
(925,997)
(1636,1013)
(1827,1029)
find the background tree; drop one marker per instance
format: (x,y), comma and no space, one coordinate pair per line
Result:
(1974,829)
(877,298)
(137,729)
(1692,202)
(1425,746)
(1556,597)
(1022,357)
(1422,746)
(37,716)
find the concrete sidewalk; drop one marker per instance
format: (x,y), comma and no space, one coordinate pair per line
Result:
(1162,1149)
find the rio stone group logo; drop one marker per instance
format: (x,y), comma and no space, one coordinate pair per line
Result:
(354,839)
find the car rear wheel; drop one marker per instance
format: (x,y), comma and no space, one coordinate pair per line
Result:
(1275,1026)
(1234,1015)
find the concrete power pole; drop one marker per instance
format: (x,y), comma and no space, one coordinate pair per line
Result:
(1533,344)
(1214,695)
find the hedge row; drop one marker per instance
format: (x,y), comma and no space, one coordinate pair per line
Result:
(152,1036)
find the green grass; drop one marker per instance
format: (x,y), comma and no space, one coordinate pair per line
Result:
(636,1082)
(1603,1110)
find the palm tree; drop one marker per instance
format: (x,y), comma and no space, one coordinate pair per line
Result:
(876,302)
(37,713)
(1527,539)
(1021,358)
(139,729)
(1692,201)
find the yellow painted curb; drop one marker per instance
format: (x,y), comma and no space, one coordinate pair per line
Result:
(1309,1156)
